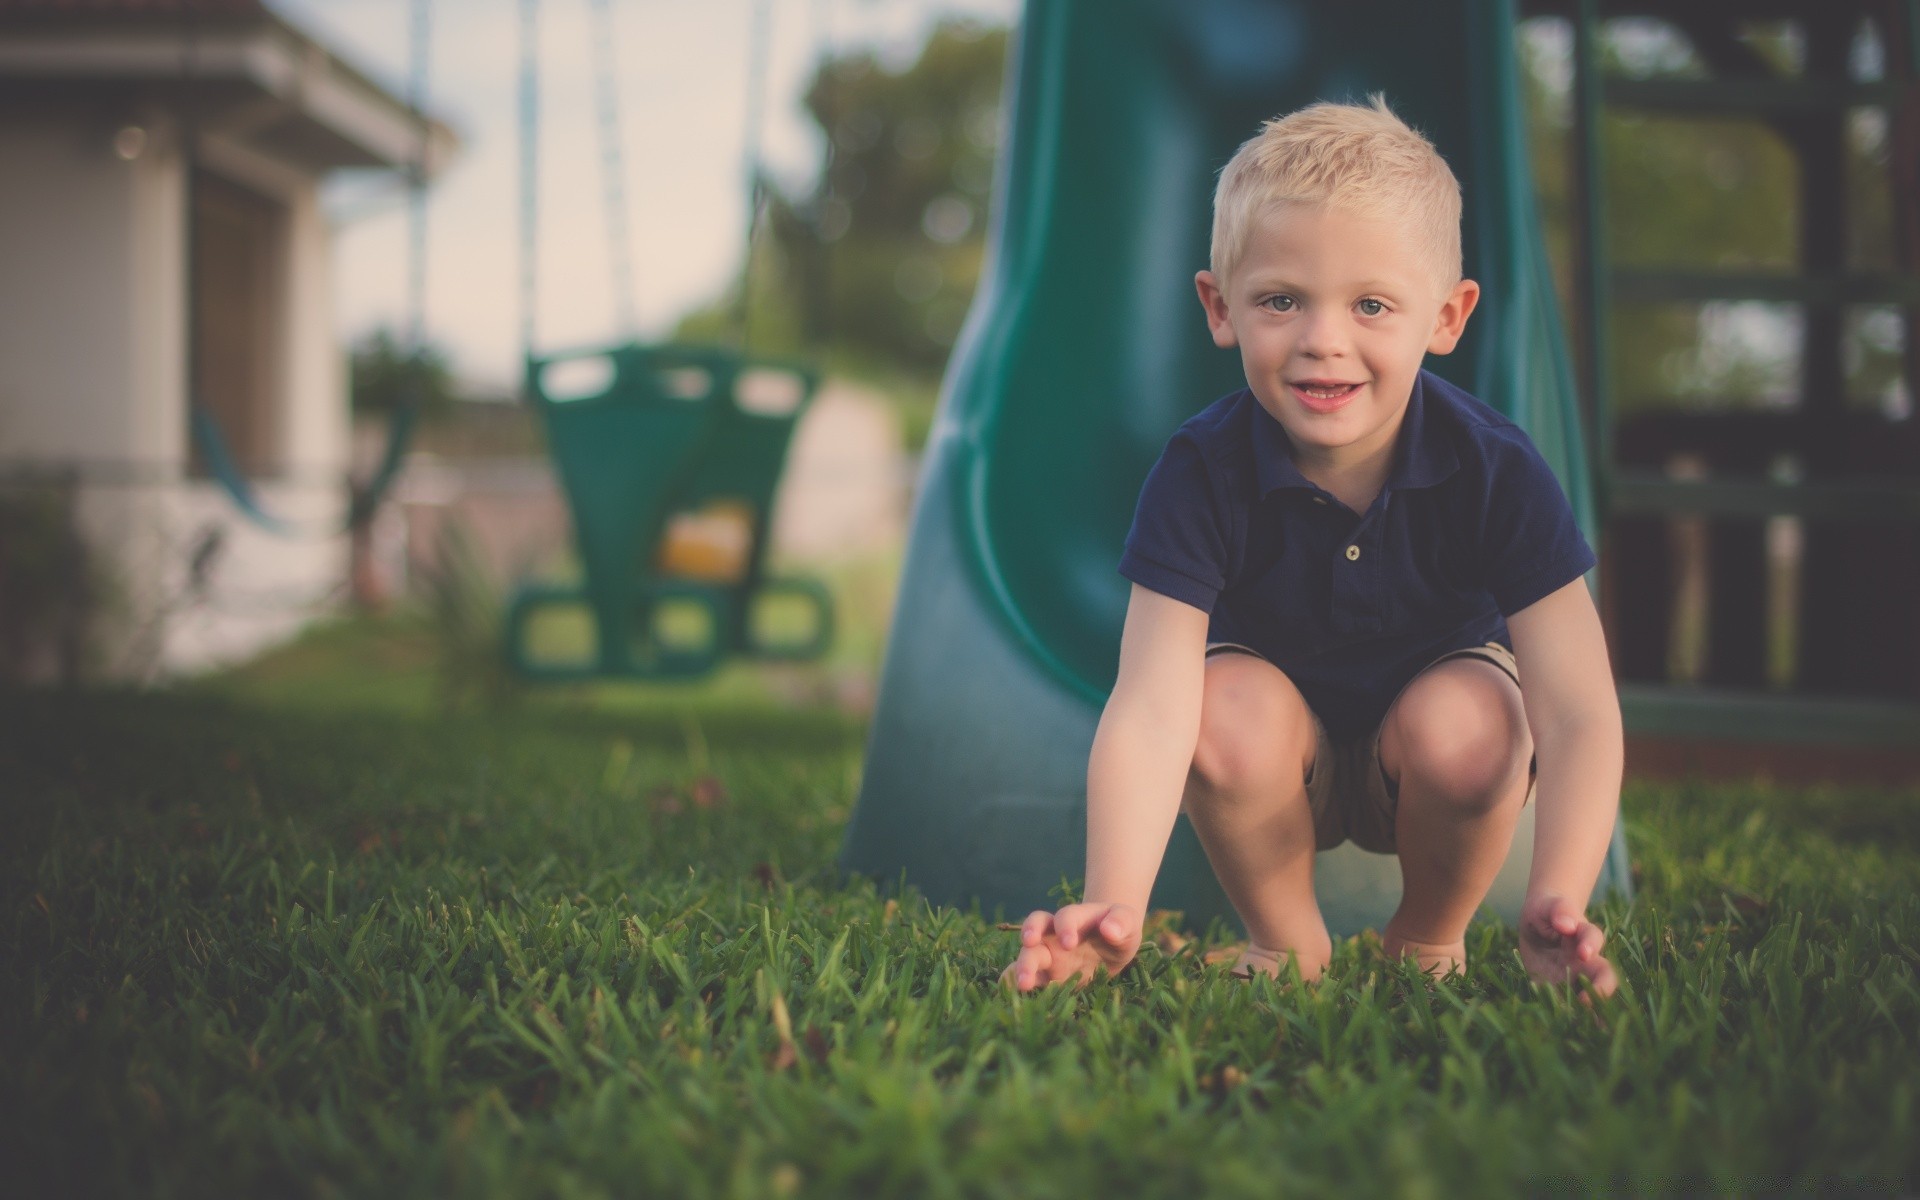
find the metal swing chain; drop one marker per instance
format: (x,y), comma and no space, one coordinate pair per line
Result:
(529,167)
(365,497)
(756,186)
(417,180)
(824,328)
(613,166)
(613,163)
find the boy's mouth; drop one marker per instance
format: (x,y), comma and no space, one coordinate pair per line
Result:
(1323,395)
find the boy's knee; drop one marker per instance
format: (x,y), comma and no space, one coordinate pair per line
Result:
(1464,735)
(1254,726)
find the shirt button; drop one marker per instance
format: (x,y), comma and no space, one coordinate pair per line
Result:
(1353,553)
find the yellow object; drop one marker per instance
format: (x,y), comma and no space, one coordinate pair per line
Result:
(709,544)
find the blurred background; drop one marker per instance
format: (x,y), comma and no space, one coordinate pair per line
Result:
(301,220)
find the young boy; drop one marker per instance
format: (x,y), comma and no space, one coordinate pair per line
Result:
(1341,577)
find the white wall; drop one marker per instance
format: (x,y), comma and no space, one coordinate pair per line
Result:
(67,287)
(156,390)
(93,366)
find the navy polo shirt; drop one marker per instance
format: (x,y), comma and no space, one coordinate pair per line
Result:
(1471,525)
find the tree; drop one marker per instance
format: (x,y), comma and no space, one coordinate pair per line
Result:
(387,377)
(881,257)
(1699,194)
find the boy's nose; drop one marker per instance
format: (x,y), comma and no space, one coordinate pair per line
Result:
(1322,336)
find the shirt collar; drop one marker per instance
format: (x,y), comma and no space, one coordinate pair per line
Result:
(1421,459)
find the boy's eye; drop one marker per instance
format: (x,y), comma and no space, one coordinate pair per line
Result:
(1279,303)
(1371,307)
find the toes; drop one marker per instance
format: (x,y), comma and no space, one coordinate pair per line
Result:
(1254,959)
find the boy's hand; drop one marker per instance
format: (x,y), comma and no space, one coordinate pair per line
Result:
(1073,943)
(1559,945)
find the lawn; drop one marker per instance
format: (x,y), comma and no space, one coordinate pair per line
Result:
(299,931)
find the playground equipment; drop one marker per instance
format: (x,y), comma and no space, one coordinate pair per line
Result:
(670,470)
(669,455)
(1086,349)
(1788,646)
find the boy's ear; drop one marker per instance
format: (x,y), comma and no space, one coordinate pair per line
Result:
(1215,302)
(1452,320)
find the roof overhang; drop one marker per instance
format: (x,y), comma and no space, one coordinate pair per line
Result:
(258,79)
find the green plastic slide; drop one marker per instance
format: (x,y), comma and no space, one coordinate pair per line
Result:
(1086,348)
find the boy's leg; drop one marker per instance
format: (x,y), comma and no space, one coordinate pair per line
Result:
(1457,746)
(1247,799)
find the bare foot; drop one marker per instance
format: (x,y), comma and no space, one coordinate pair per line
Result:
(1273,962)
(1435,958)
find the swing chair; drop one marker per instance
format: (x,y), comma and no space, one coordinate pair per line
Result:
(364,496)
(669,456)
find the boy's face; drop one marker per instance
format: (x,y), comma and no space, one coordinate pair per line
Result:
(1333,313)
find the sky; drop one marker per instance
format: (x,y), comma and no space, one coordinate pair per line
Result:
(682,77)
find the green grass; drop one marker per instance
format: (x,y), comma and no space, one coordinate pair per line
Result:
(299,932)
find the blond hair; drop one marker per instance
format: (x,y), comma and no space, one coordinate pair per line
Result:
(1357,157)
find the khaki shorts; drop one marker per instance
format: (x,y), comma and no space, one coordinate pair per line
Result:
(1347,789)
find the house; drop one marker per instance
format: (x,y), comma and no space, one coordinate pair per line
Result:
(163,244)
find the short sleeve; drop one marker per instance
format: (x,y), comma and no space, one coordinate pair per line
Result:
(1178,543)
(1531,545)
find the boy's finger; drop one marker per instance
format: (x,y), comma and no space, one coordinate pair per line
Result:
(1542,923)
(1563,917)
(1034,927)
(1591,938)
(1075,921)
(1125,920)
(1602,979)
(1020,970)
(1063,926)
(1032,963)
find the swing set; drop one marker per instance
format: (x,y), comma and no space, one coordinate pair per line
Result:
(669,454)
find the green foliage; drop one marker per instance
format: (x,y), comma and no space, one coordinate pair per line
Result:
(388,376)
(879,261)
(892,238)
(466,612)
(51,588)
(254,940)
(1701,194)
(1694,195)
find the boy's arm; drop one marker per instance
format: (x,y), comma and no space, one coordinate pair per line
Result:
(1574,712)
(1143,748)
(1136,774)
